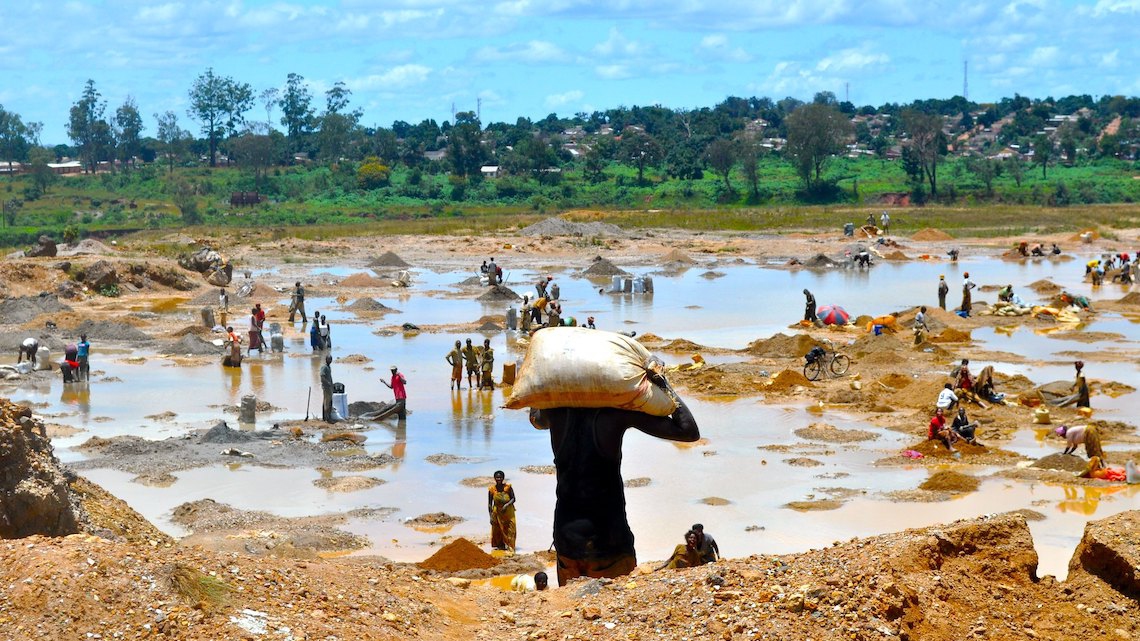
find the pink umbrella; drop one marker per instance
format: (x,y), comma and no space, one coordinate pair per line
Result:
(833,315)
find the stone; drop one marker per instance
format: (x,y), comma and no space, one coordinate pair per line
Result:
(44,246)
(99,274)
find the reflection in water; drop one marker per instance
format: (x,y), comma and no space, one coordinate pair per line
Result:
(1085,499)
(78,395)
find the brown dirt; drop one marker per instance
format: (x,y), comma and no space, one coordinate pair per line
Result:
(1131,298)
(951,335)
(787,380)
(1045,287)
(831,434)
(361,279)
(782,346)
(895,255)
(348,483)
(819,505)
(930,234)
(388,259)
(950,481)
(458,555)
(677,256)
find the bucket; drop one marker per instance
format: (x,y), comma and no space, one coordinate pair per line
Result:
(638,286)
(877,330)
(627,285)
(1041,416)
(277,343)
(208,317)
(962,314)
(512,318)
(849,229)
(508,374)
(615,284)
(340,405)
(248,412)
(648,283)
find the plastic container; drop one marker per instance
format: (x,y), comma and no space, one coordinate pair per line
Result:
(615,284)
(208,317)
(340,405)
(849,229)
(508,374)
(877,330)
(648,284)
(638,286)
(512,318)
(627,285)
(43,358)
(277,343)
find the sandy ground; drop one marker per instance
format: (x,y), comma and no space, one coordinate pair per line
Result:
(396,599)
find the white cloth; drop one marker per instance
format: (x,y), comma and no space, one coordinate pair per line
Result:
(946,398)
(523,583)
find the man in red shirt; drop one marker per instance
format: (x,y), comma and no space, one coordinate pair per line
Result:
(401,394)
(937,431)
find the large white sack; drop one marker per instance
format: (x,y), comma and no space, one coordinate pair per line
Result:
(579,367)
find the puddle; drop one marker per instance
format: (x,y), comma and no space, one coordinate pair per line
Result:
(753,484)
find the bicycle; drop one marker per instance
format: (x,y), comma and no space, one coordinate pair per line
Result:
(817,358)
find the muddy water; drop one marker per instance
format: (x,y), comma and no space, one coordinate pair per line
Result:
(731,481)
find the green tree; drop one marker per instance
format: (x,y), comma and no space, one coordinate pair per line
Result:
(254,151)
(172,137)
(11,209)
(1043,152)
(219,103)
(721,155)
(927,142)
(595,161)
(985,170)
(641,150)
(128,131)
(296,111)
(337,124)
(185,198)
(816,133)
(749,152)
(465,145)
(1015,167)
(16,138)
(87,128)
(373,174)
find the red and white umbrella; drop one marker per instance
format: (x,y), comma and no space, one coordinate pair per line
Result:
(833,315)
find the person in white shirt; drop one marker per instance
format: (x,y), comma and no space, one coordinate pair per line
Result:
(946,398)
(527,583)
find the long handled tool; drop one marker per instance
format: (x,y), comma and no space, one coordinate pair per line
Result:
(308,396)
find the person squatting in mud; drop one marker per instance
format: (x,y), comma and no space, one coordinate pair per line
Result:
(591,532)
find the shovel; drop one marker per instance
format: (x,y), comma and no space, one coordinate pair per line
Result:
(308,397)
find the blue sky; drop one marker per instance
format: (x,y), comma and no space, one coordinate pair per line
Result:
(414,59)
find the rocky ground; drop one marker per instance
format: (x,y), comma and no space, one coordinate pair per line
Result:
(104,572)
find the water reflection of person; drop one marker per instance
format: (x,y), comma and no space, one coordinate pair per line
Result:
(79,395)
(591,532)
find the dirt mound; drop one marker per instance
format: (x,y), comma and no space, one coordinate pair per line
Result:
(34,497)
(896,381)
(1045,286)
(457,556)
(560,227)
(1131,298)
(1062,462)
(489,326)
(820,261)
(109,331)
(192,330)
(85,246)
(23,309)
(499,293)
(787,380)
(951,335)
(681,345)
(603,267)
(192,345)
(781,346)
(388,259)
(362,280)
(950,481)
(896,255)
(930,233)
(434,519)
(370,305)
(677,256)
(831,434)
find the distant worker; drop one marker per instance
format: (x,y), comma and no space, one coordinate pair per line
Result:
(315,333)
(937,431)
(69,367)
(327,390)
(30,348)
(297,303)
(1036,250)
(471,360)
(555,291)
(234,342)
(525,315)
(454,358)
(591,530)
(82,356)
(526,583)
(685,555)
(1080,385)
(501,509)
(1087,435)
(953,254)
(946,398)
(809,307)
(706,544)
(1055,250)
(326,333)
(540,286)
(967,296)
(223,299)
(256,338)
(963,427)
(399,391)
(487,366)
(885,222)
(590,323)
(943,289)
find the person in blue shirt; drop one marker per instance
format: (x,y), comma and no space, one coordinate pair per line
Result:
(83,350)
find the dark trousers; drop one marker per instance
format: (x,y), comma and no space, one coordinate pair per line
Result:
(326,404)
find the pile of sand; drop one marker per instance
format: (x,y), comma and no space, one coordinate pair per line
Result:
(196,330)
(677,256)
(1093,234)
(457,556)
(950,481)
(781,346)
(25,308)
(831,434)
(489,327)
(787,380)
(931,234)
(388,259)
(499,293)
(896,255)
(1044,286)
(370,305)
(951,335)
(193,345)
(560,227)
(362,280)
(603,267)
(682,345)
(85,247)
(1062,462)
(1131,298)
(896,381)
(820,261)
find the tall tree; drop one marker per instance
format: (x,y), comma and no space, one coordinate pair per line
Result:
(128,131)
(16,138)
(219,103)
(816,132)
(269,99)
(749,151)
(927,142)
(172,137)
(337,124)
(1043,152)
(641,150)
(721,156)
(465,145)
(296,111)
(87,128)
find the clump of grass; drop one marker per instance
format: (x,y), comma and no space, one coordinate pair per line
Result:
(198,587)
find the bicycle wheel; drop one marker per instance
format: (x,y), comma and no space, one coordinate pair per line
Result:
(813,369)
(839,364)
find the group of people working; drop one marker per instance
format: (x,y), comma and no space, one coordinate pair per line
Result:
(75,366)
(479,362)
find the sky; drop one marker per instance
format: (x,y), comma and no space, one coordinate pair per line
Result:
(415,59)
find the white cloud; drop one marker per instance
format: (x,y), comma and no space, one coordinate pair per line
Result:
(562,99)
(400,77)
(1106,7)
(1111,59)
(717,47)
(613,72)
(1044,56)
(852,60)
(160,13)
(618,45)
(533,52)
